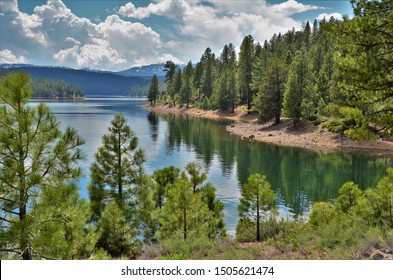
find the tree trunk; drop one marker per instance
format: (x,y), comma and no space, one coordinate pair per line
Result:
(120,179)
(24,238)
(184,223)
(258,225)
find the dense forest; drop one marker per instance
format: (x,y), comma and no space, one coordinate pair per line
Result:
(334,72)
(50,89)
(44,88)
(174,213)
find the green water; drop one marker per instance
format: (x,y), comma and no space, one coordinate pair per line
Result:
(299,177)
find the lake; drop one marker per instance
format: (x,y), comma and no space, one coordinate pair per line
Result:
(298,176)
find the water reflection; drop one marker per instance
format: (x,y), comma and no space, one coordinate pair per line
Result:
(298,176)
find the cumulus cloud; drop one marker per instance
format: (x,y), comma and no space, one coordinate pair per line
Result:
(214,23)
(6,56)
(291,7)
(53,34)
(328,16)
(169,8)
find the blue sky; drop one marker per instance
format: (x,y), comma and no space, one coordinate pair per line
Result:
(116,35)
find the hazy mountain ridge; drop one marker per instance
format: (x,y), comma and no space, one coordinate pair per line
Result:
(92,82)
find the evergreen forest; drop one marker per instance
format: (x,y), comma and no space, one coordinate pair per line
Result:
(50,89)
(344,81)
(334,72)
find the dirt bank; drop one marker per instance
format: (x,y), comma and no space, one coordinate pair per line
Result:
(306,134)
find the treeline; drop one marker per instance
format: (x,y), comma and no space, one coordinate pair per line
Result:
(44,88)
(142,90)
(332,72)
(43,217)
(51,89)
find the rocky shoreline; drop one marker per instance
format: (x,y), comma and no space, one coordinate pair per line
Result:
(305,135)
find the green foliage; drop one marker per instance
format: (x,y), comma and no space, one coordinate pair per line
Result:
(244,74)
(118,165)
(349,194)
(334,125)
(175,257)
(257,201)
(296,89)
(116,174)
(116,235)
(60,224)
(184,212)
(165,179)
(36,157)
(322,213)
(184,205)
(271,91)
(195,247)
(363,62)
(361,133)
(343,231)
(245,230)
(154,90)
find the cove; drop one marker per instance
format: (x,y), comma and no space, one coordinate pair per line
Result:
(298,176)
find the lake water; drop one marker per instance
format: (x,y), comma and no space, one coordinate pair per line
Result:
(299,177)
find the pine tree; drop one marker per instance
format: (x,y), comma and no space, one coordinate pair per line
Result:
(296,88)
(364,64)
(186,88)
(177,84)
(34,155)
(154,90)
(60,224)
(258,201)
(170,69)
(116,174)
(165,179)
(271,91)
(184,212)
(244,75)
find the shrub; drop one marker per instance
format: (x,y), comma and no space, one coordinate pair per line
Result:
(322,213)
(335,125)
(193,247)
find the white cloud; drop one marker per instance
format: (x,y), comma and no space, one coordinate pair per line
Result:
(215,23)
(291,7)
(169,8)
(53,34)
(328,16)
(6,56)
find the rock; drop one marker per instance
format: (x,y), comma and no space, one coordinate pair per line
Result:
(270,134)
(232,125)
(252,136)
(378,255)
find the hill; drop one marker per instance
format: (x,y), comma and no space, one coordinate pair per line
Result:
(144,71)
(93,83)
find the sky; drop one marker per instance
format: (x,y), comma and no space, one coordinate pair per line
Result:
(116,35)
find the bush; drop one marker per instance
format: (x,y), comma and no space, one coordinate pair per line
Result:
(361,134)
(246,230)
(335,125)
(343,231)
(322,213)
(332,110)
(193,247)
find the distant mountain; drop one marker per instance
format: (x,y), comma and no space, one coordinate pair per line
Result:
(93,83)
(144,71)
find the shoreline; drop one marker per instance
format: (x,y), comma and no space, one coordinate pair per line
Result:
(305,135)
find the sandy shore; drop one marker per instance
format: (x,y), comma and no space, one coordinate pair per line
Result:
(306,134)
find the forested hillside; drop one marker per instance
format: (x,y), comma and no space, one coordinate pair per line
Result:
(333,72)
(44,88)
(92,83)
